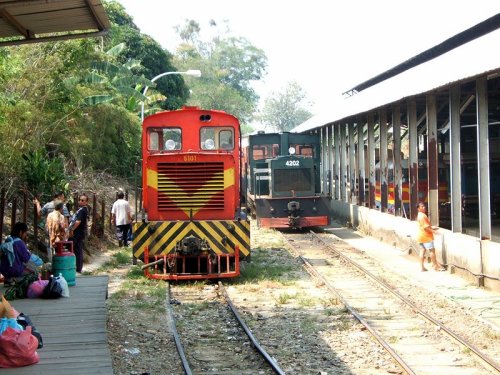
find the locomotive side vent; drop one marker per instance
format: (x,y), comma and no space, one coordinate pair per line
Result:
(193,186)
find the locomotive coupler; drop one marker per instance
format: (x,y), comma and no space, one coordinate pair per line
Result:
(293,208)
(191,245)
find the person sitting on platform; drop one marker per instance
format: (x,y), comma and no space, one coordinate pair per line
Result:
(15,257)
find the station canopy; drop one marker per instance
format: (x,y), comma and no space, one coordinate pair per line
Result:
(31,21)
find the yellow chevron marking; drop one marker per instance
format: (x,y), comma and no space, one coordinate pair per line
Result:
(152,181)
(157,241)
(228,177)
(244,234)
(155,249)
(234,239)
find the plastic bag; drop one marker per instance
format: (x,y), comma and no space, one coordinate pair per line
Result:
(6,310)
(8,322)
(18,348)
(64,285)
(36,260)
(25,321)
(35,290)
(53,289)
(20,288)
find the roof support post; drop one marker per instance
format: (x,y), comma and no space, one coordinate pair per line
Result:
(326,162)
(324,150)
(396,157)
(382,119)
(432,159)
(352,163)
(413,161)
(337,161)
(343,164)
(483,158)
(361,161)
(455,169)
(330,161)
(371,161)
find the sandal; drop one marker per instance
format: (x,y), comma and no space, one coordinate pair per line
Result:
(439,269)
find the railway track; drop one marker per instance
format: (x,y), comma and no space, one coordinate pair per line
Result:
(214,338)
(418,342)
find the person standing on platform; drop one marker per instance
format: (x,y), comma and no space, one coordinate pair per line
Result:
(48,207)
(78,230)
(425,238)
(122,218)
(56,226)
(43,213)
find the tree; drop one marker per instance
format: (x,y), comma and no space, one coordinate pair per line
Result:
(228,64)
(153,58)
(284,111)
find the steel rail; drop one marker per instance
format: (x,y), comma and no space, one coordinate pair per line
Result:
(175,334)
(310,268)
(491,363)
(249,333)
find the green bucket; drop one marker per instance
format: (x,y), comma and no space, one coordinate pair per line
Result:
(65,264)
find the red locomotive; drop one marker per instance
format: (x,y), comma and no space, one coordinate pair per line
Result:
(192,226)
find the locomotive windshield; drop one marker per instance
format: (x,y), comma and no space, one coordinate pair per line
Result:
(217,138)
(265,151)
(303,150)
(164,139)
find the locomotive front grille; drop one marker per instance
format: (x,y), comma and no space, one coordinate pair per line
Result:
(190,186)
(292,179)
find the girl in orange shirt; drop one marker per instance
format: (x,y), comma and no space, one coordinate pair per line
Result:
(425,237)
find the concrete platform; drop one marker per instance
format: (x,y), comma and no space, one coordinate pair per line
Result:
(73,330)
(483,303)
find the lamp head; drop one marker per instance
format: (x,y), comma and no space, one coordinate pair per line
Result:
(193,72)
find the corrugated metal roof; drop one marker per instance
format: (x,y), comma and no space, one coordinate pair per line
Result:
(32,21)
(478,57)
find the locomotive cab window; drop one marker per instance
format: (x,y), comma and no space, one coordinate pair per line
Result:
(261,152)
(217,138)
(304,150)
(164,139)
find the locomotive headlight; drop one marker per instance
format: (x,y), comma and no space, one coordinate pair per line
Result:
(170,144)
(209,144)
(291,150)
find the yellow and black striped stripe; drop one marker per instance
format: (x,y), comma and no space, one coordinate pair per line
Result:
(162,236)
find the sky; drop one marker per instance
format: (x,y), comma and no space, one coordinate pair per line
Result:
(326,46)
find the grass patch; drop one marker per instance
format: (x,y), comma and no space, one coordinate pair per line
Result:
(123,257)
(283,298)
(135,273)
(307,301)
(264,267)
(308,324)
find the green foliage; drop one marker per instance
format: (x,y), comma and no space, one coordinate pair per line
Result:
(42,174)
(284,111)
(229,65)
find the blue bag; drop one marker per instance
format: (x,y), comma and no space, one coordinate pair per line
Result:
(9,322)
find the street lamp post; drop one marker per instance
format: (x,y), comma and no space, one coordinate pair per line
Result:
(190,72)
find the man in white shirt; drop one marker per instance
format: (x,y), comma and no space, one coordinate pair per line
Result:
(122,217)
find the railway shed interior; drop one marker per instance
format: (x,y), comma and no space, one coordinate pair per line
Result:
(430,133)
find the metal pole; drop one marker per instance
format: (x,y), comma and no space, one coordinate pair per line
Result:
(194,73)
